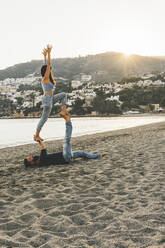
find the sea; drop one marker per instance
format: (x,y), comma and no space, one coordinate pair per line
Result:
(14,132)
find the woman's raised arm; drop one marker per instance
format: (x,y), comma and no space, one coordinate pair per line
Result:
(46,77)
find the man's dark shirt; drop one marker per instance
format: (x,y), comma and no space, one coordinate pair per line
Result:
(51,159)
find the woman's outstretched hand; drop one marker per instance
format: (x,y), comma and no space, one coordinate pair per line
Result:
(49,48)
(44,52)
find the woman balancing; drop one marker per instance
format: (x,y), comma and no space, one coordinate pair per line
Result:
(48,85)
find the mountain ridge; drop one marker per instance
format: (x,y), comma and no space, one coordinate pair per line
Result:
(109,66)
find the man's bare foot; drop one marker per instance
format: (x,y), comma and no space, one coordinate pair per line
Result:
(67,116)
(102,154)
(37,138)
(63,113)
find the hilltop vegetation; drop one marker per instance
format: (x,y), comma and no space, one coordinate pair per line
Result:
(108,67)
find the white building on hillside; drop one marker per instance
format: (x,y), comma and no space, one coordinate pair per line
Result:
(85,77)
(75,84)
(146,76)
(113,98)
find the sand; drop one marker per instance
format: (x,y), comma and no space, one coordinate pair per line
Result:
(114,202)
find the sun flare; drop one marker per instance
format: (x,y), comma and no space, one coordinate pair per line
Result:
(126,54)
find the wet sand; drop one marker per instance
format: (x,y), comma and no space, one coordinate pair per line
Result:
(114,202)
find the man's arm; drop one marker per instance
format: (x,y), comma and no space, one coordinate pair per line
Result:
(42,145)
(43,153)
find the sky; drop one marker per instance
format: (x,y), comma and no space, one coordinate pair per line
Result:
(79,28)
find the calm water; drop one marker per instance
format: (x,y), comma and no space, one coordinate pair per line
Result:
(21,131)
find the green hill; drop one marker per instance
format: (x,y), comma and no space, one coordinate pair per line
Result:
(108,66)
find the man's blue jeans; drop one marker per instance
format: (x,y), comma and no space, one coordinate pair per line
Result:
(67,149)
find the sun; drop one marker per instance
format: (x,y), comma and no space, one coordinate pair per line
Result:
(127,54)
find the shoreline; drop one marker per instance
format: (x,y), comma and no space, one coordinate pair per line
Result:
(82,138)
(91,116)
(116,201)
(78,135)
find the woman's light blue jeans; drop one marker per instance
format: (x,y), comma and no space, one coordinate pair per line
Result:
(48,101)
(67,149)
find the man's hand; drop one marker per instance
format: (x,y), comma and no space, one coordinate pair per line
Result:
(37,139)
(42,146)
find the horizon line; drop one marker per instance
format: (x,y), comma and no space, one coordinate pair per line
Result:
(92,54)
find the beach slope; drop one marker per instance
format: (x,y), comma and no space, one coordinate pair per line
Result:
(114,202)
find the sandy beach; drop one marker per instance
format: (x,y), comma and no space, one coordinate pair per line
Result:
(114,202)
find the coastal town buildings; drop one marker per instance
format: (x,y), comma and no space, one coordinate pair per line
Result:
(83,87)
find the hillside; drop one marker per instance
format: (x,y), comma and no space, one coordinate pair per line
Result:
(108,66)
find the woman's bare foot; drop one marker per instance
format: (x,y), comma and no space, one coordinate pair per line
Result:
(63,113)
(66,116)
(37,138)
(37,135)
